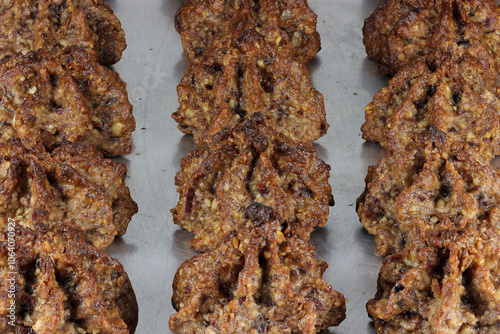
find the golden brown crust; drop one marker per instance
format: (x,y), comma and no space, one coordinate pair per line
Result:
(73,185)
(251,164)
(445,282)
(458,99)
(47,99)
(52,25)
(255,280)
(438,30)
(64,285)
(289,24)
(242,78)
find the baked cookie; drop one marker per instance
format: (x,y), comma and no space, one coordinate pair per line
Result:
(442,30)
(288,24)
(426,187)
(256,280)
(52,25)
(71,186)
(251,163)
(62,285)
(246,77)
(447,281)
(458,99)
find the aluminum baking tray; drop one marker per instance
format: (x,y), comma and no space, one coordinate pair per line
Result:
(153,65)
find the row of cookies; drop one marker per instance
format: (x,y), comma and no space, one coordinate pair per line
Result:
(255,189)
(432,202)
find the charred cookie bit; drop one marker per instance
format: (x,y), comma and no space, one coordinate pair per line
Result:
(259,213)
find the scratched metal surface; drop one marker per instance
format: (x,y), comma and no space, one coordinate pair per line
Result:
(153,64)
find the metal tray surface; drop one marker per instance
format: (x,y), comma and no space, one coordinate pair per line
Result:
(153,64)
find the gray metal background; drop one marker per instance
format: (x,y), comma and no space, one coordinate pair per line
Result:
(153,65)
